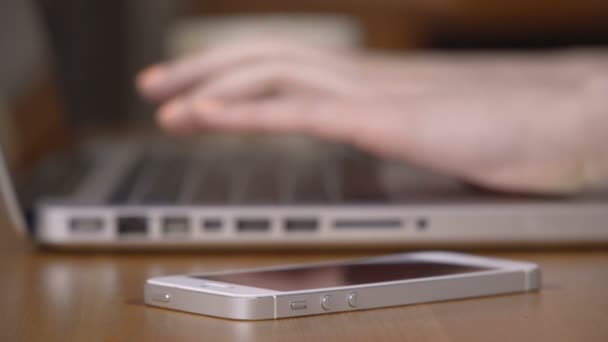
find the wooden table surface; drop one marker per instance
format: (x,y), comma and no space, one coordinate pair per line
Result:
(68,296)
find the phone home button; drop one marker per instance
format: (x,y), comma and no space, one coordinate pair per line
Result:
(327,302)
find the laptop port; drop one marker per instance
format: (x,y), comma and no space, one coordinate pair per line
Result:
(422,224)
(368,224)
(253,225)
(301,225)
(86,225)
(176,226)
(212,225)
(132,226)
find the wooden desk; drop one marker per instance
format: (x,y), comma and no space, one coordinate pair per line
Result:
(81,297)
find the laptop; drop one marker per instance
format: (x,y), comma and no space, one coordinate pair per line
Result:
(230,191)
(281,192)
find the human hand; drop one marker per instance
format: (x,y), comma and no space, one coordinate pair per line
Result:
(512,124)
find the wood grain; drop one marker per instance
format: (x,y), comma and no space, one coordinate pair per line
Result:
(61,296)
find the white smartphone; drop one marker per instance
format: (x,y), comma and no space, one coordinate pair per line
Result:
(312,289)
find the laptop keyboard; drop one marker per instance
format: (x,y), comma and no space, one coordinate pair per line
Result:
(56,177)
(249,179)
(223,174)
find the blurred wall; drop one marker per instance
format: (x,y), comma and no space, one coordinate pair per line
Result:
(23,56)
(22,62)
(147,31)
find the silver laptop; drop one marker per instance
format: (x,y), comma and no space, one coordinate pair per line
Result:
(281,192)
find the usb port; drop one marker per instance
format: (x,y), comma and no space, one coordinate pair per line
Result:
(86,225)
(176,226)
(212,225)
(301,225)
(253,225)
(132,226)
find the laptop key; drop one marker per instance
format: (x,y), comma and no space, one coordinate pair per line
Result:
(309,183)
(166,186)
(360,180)
(214,184)
(58,177)
(124,187)
(262,184)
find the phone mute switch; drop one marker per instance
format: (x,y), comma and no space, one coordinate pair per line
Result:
(299,305)
(161,297)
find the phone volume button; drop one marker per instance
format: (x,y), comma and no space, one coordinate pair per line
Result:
(352,300)
(326,302)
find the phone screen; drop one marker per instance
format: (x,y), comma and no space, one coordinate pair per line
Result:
(323,276)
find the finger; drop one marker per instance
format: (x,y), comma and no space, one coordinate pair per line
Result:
(166,80)
(325,120)
(171,117)
(249,83)
(272,78)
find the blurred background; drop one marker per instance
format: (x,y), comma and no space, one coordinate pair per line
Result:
(68,66)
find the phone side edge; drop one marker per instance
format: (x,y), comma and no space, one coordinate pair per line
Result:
(408,292)
(533,278)
(210,304)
